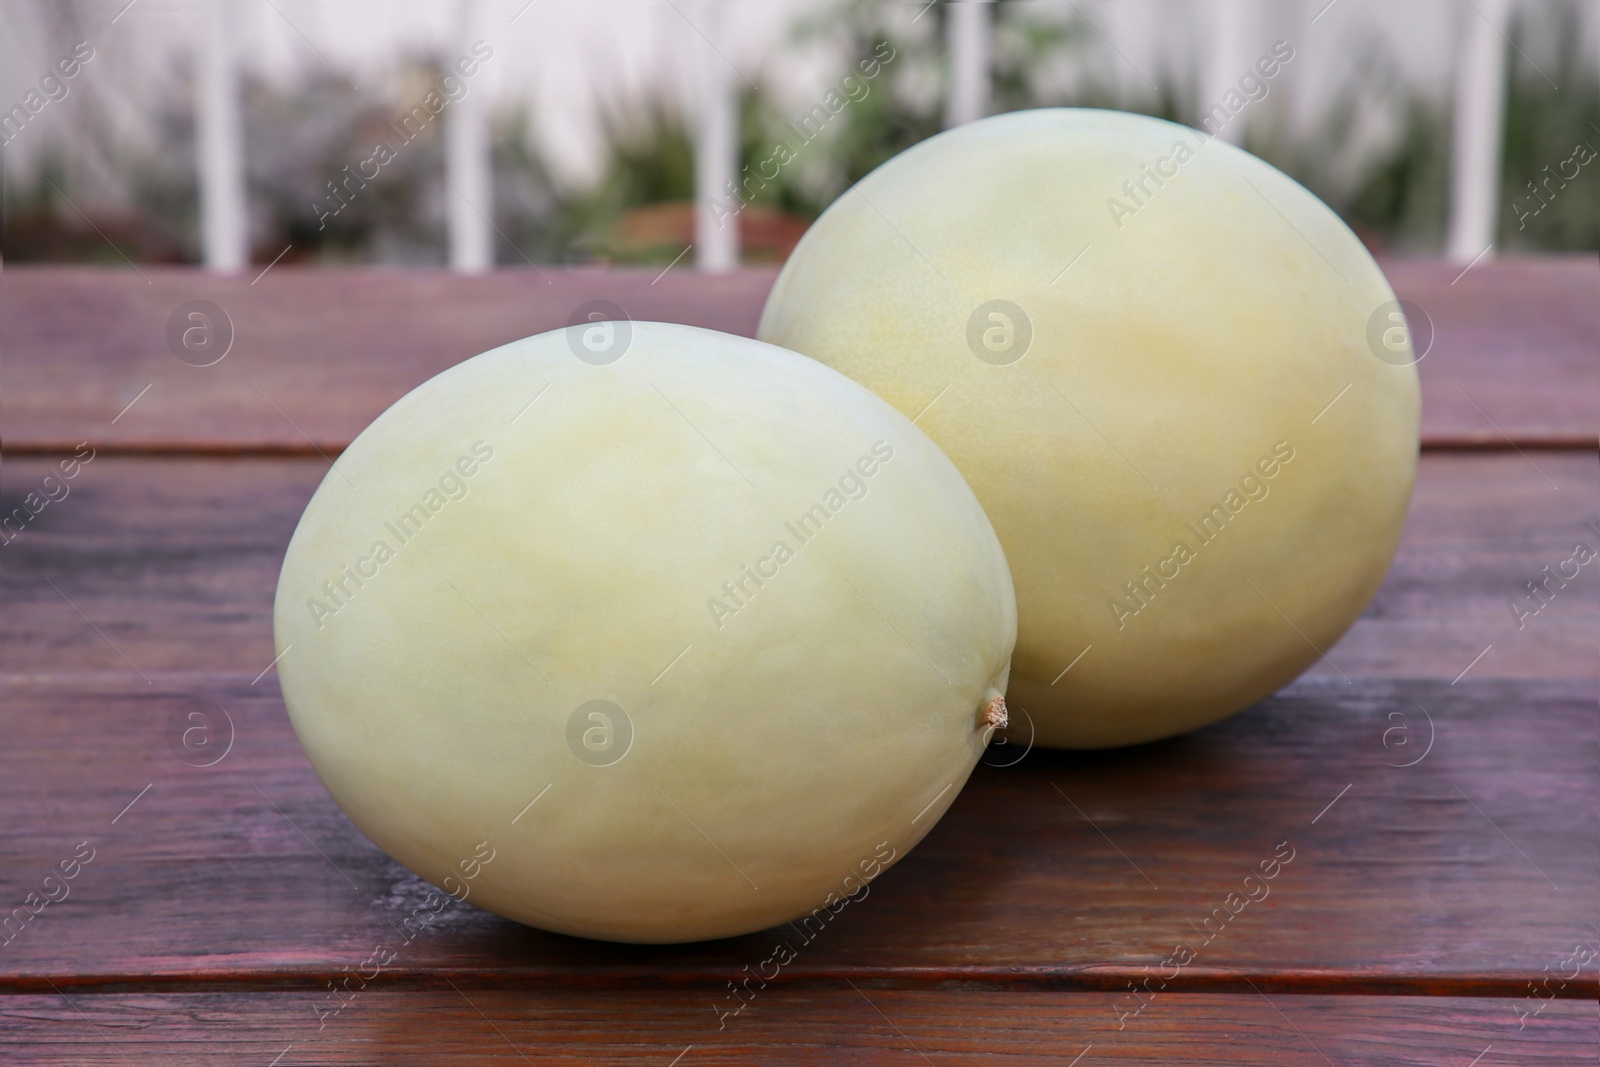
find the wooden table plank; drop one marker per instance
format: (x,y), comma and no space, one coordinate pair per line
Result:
(1514,349)
(317,354)
(862,1026)
(1479,529)
(1439,878)
(175,562)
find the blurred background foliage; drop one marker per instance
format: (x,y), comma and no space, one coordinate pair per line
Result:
(1544,126)
(639,209)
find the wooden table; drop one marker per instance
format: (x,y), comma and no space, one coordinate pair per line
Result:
(1440,906)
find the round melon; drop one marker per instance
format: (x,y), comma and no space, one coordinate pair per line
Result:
(644,632)
(1182,389)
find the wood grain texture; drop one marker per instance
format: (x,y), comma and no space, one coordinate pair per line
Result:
(803,1028)
(172,563)
(1470,872)
(1513,354)
(318,354)
(1433,774)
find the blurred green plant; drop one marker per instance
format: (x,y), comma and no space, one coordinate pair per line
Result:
(302,136)
(1399,200)
(904,104)
(1393,198)
(649,159)
(1545,124)
(303,139)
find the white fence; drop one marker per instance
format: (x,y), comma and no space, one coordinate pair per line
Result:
(695,49)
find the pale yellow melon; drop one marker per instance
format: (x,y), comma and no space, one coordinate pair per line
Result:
(644,632)
(1177,382)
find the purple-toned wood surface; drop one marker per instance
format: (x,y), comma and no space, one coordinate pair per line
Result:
(317,354)
(786,1028)
(1434,778)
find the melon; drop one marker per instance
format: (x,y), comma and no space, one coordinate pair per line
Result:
(644,632)
(1179,385)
